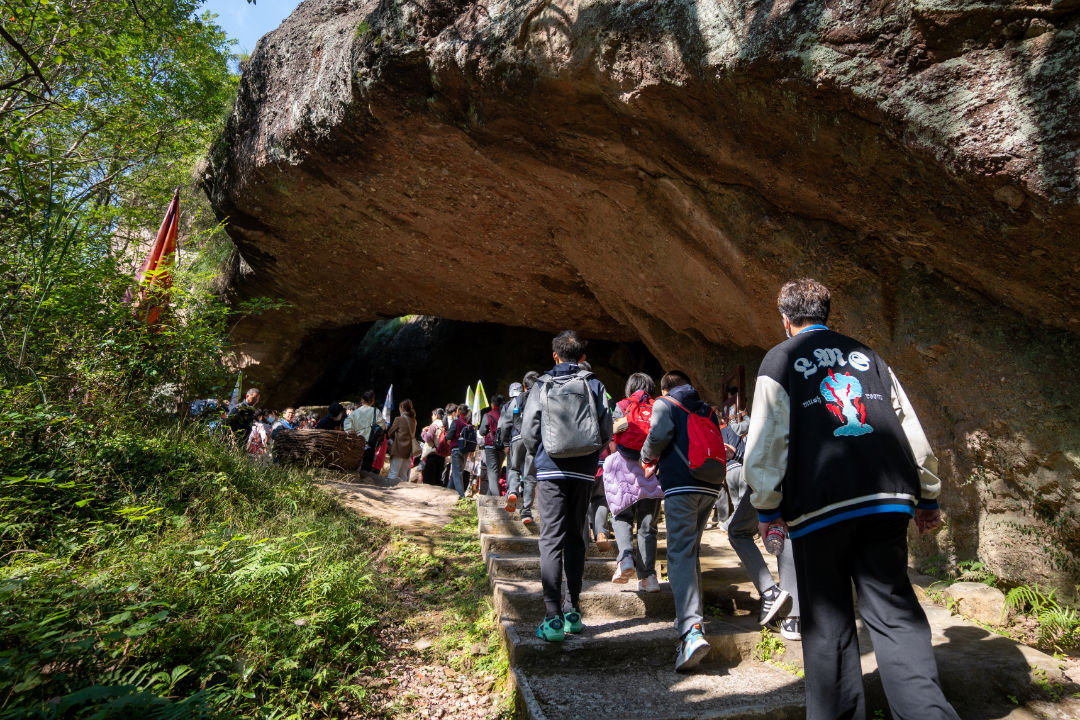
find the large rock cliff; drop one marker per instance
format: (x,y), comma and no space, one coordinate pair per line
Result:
(655,170)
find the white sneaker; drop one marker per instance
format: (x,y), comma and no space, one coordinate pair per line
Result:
(623,570)
(791,628)
(649,584)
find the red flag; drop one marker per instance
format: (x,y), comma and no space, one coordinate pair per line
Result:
(155,276)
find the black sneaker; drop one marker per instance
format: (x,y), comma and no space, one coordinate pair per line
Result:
(771,602)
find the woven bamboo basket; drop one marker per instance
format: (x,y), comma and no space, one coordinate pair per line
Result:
(325,448)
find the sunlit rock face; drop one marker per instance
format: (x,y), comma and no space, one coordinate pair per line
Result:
(655,170)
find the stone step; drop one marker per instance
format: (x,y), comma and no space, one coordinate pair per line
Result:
(490,501)
(614,642)
(747,691)
(511,526)
(528,568)
(492,519)
(523,545)
(523,600)
(491,524)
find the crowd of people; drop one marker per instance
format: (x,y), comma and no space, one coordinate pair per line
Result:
(828,468)
(248,426)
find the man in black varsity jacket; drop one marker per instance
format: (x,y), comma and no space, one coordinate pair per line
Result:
(836,453)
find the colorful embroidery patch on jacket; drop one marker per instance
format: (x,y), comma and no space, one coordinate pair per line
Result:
(843,396)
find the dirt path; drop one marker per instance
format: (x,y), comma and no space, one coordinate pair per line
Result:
(433,668)
(414,508)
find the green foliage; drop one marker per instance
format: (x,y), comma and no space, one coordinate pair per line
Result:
(450,575)
(769,646)
(936,566)
(1059,626)
(1054,689)
(158,573)
(145,570)
(976,571)
(105,109)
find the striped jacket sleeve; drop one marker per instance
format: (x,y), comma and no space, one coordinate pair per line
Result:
(929,481)
(765,462)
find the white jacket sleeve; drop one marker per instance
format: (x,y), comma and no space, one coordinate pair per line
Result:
(920,446)
(765,462)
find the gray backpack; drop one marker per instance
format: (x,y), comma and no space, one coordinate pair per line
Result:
(569,424)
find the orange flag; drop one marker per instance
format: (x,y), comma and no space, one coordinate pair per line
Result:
(155,276)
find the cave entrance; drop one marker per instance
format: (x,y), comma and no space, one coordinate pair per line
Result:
(433,360)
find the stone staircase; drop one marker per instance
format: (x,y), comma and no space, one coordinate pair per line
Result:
(622,665)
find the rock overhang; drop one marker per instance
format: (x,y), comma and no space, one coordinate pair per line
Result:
(656,171)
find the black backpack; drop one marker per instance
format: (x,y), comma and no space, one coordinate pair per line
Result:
(518,410)
(506,425)
(468,439)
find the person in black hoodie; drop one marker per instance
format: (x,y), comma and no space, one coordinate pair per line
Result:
(836,454)
(334,418)
(564,477)
(689,496)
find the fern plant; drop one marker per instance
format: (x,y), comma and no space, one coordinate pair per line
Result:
(1059,626)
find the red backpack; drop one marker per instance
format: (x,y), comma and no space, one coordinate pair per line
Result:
(706,440)
(637,409)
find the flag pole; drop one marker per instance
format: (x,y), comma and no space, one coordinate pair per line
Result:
(176,196)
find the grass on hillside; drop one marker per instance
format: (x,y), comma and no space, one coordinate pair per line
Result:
(156,573)
(442,603)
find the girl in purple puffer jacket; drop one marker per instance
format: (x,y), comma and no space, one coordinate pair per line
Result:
(633,498)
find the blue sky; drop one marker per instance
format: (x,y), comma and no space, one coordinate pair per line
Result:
(246,23)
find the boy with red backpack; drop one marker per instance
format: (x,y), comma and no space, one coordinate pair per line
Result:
(632,497)
(685,443)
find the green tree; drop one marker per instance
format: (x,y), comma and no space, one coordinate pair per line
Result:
(105,107)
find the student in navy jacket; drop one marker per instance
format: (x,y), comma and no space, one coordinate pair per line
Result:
(689,497)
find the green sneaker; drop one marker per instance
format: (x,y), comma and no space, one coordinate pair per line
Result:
(572,621)
(551,630)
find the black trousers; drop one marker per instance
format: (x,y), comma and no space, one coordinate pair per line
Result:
(870,551)
(433,469)
(563,506)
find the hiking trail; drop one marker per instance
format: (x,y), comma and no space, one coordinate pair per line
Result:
(621,666)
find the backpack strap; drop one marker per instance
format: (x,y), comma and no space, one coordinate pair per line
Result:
(674,402)
(712,412)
